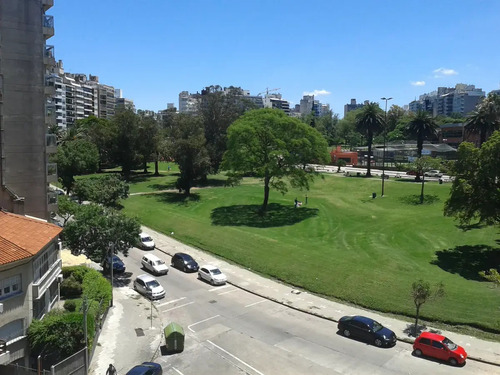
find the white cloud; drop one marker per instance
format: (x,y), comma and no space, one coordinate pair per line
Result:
(418,83)
(444,72)
(317,92)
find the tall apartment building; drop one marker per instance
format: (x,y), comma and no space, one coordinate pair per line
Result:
(353,106)
(276,101)
(190,103)
(461,99)
(308,104)
(25,84)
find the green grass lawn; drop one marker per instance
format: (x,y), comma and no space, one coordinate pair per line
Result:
(342,244)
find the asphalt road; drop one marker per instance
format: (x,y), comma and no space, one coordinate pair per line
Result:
(230,331)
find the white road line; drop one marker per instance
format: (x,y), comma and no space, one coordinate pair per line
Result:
(177,371)
(169,302)
(219,288)
(256,303)
(229,291)
(178,307)
(201,321)
(246,364)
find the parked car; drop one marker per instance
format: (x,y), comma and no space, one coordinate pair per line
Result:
(154,264)
(146,368)
(433,173)
(437,346)
(118,265)
(149,286)
(212,274)
(146,242)
(411,173)
(367,330)
(184,262)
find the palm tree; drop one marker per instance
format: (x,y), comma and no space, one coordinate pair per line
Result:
(422,126)
(369,121)
(486,118)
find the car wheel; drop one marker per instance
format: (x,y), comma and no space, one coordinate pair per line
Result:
(347,333)
(418,352)
(184,269)
(378,342)
(453,361)
(212,282)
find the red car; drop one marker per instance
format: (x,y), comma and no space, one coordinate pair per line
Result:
(440,347)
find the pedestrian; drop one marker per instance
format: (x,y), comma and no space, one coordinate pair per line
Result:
(296,202)
(306,198)
(111,370)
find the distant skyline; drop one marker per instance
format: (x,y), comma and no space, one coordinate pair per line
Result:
(336,50)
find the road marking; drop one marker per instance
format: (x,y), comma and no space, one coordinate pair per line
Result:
(169,302)
(177,307)
(246,364)
(201,321)
(219,288)
(229,291)
(256,303)
(177,371)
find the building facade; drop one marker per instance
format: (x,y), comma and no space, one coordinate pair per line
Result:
(25,84)
(30,273)
(353,106)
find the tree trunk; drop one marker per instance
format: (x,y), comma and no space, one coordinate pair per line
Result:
(266,194)
(145,166)
(415,328)
(368,170)
(422,190)
(157,172)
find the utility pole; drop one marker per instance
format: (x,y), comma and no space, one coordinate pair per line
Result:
(385,134)
(85,308)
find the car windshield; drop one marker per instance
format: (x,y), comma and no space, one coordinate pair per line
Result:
(159,262)
(215,271)
(449,344)
(377,326)
(147,239)
(152,284)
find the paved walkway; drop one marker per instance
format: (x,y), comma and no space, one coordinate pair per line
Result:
(118,346)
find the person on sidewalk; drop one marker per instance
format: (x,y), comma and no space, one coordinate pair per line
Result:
(111,370)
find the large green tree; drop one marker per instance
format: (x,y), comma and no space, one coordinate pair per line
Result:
(421,127)
(486,118)
(273,146)
(326,124)
(475,192)
(106,190)
(148,141)
(125,150)
(96,231)
(188,150)
(75,158)
(370,121)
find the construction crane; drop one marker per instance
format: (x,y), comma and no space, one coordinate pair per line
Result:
(267,91)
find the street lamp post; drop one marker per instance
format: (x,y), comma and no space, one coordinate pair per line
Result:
(383,153)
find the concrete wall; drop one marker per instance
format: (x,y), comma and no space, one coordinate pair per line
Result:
(22,112)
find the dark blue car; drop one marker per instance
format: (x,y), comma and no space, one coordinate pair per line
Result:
(118,265)
(146,368)
(366,329)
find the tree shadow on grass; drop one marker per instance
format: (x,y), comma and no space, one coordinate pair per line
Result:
(159,187)
(414,199)
(467,261)
(175,198)
(276,215)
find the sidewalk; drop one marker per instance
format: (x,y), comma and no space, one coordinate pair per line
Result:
(477,349)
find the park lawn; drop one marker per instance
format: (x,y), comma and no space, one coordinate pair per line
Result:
(343,243)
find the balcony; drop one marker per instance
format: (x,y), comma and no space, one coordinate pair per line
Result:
(51,143)
(41,286)
(47,4)
(49,58)
(50,88)
(48,26)
(51,172)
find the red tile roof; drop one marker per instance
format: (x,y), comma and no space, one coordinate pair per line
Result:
(23,237)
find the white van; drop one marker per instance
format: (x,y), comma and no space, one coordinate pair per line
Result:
(154,264)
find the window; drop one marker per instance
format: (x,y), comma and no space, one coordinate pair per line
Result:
(44,263)
(425,341)
(437,345)
(10,286)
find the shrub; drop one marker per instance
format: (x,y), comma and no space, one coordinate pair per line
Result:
(70,288)
(78,272)
(70,305)
(97,288)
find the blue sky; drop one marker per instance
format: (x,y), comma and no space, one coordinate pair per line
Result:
(154,49)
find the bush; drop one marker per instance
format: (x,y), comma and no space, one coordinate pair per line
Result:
(70,305)
(78,272)
(97,288)
(70,288)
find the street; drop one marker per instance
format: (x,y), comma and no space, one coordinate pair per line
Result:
(231,331)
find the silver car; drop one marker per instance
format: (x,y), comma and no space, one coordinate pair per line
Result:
(149,286)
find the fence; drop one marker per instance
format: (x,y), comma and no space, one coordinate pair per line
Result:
(73,365)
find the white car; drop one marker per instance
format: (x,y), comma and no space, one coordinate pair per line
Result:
(154,264)
(146,242)
(433,173)
(149,286)
(212,274)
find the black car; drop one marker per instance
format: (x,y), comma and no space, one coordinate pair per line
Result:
(184,262)
(118,265)
(367,330)
(146,368)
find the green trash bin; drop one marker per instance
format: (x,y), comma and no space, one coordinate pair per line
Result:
(174,337)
